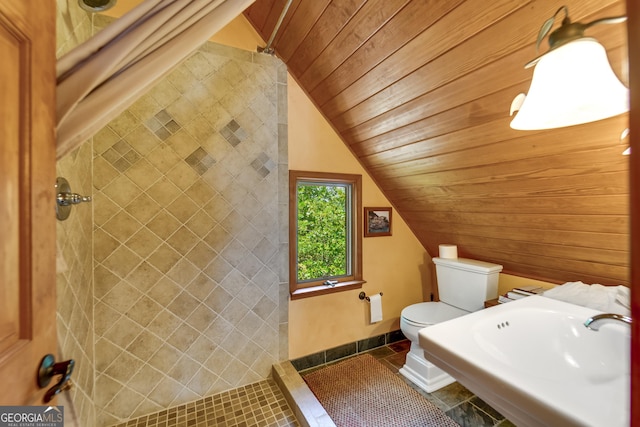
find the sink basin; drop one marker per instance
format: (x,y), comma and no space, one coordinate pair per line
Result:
(535,362)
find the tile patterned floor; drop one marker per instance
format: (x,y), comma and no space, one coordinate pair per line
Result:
(258,404)
(455,400)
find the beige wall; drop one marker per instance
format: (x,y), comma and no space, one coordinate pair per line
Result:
(397,265)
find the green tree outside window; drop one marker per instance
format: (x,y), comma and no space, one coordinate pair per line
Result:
(323,231)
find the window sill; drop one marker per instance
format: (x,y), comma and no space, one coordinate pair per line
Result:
(324,289)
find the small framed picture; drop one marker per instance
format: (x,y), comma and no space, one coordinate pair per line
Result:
(377,222)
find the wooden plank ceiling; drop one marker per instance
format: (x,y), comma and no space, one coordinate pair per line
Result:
(420,92)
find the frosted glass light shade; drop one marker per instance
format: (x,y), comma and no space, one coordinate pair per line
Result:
(572,84)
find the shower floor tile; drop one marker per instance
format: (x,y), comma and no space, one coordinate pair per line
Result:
(259,404)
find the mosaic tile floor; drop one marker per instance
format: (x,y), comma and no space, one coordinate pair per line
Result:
(259,404)
(456,401)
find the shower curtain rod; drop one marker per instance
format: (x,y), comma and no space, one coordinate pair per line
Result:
(268,49)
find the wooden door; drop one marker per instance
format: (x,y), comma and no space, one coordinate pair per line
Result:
(633,30)
(27,210)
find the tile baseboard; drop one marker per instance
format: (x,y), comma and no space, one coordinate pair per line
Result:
(346,350)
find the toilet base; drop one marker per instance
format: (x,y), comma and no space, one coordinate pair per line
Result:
(423,373)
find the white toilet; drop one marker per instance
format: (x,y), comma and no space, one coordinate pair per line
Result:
(463,286)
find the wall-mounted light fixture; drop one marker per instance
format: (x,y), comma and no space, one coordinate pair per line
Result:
(573,82)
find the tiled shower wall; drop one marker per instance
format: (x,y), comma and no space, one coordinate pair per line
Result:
(74,278)
(190,208)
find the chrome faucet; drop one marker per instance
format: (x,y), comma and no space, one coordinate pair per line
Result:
(596,321)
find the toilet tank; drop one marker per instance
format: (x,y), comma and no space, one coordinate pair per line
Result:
(466,283)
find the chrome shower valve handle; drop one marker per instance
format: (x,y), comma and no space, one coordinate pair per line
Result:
(65,199)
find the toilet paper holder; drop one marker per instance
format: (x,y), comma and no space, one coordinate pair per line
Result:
(362,295)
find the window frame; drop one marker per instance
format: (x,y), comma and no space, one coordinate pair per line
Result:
(318,287)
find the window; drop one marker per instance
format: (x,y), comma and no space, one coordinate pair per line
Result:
(325,219)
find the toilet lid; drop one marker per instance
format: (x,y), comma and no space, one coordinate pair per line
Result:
(430,313)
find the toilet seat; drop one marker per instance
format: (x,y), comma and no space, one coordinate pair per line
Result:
(430,313)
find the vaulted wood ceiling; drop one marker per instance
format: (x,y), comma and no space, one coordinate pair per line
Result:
(420,92)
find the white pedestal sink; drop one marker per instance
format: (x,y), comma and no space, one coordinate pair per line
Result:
(535,362)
